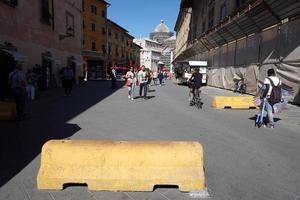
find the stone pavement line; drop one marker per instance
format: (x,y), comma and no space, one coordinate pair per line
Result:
(27,196)
(164,196)
(52,197)
(92,195)
(129,195)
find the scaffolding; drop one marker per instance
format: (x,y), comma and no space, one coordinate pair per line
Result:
(261,35)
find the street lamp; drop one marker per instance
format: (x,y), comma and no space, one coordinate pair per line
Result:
(70,33)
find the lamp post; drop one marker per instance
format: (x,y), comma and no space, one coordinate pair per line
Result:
(70,33)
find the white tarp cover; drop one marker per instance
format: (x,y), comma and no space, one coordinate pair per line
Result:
(223,77)
(251,57)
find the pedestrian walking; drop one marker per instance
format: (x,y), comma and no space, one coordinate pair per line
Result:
(142,79)
(113,77)
(31,80)
(131,82)
(68,78)
(18,84)
(271,95)
(160,77)
(155,77)
(149,78)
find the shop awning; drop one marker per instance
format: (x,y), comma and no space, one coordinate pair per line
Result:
(16,55)
(77,62)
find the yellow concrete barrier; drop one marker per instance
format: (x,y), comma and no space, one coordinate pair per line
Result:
(122,165)
(234,102)
(7,110)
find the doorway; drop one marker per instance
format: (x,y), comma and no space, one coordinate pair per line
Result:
(7,64)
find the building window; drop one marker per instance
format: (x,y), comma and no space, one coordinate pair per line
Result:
(203,27)
(239,3)
(83,42)
(83,24)
(82,3)
(117,51)
(109,49)
(109,32)
(93,27)
(211,13)
(46,6)
(12,3)
(94,9)
(103,14)
(116,36)
(94,46)
(122,55)
(103,31)
(70,24)
(223,11)
(104,49)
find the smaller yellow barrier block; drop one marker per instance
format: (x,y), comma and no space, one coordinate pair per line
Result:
(122,165)
(7,110)
(234,102)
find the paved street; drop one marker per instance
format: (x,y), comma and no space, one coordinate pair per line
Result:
(241,161)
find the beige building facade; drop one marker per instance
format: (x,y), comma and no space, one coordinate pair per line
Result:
(45,39)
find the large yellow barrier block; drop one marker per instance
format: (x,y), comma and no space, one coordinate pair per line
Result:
(7,110)
(122,165)
(234,102)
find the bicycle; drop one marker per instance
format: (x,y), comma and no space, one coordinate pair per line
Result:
(240,86)
(196,99)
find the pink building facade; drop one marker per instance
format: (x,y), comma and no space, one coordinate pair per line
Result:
(44,34)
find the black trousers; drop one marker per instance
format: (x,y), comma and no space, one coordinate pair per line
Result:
(19,95)
(113,82)
(143,86)
(68,86)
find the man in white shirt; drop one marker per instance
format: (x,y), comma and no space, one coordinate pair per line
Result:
(270,81)
(143,79)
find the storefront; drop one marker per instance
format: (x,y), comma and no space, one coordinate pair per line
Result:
(8,59)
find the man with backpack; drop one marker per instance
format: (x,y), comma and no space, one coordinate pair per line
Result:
(271,95)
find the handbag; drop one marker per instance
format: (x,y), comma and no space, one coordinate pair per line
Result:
(128,82)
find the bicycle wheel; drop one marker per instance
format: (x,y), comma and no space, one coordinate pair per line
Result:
(198,99)
(191,98)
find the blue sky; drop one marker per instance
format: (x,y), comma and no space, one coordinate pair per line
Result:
(140,17)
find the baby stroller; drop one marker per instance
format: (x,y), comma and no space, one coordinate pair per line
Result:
(260,115)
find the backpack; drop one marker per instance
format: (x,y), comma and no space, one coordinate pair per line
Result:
(275,96)
(68,74)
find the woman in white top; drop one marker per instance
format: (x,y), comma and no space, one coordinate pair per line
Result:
(131,82)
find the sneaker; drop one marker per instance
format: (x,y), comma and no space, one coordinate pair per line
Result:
(128,96)
(269,126)
(131,98)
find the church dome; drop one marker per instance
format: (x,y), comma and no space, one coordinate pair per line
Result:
(161,27)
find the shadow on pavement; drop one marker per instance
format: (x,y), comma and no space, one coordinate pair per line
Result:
(22,141)
(254,118)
